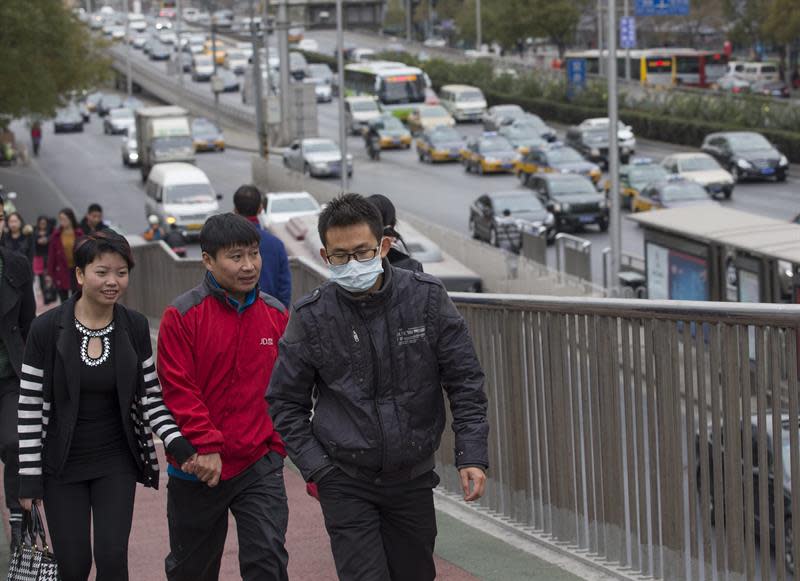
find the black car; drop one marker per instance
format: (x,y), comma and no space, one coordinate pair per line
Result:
(107,103)
(572,199)
(592,144)
(746,154)
(159,51)
(762,469)
(68,118)
(500,217)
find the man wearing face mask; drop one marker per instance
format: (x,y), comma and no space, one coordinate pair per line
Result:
(369,353)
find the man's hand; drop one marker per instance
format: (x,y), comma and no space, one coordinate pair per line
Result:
(190,465)
(208,468)
(478,478)
(27,503)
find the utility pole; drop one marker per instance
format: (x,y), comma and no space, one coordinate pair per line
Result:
(257,83)
(627,48)
(478,35)
(178,18)
(408,20)
(128,49)
(340,64)
(613,146)
(600,63)
(282,27)
(214,60)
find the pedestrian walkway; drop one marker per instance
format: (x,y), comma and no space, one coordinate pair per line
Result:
(463,552)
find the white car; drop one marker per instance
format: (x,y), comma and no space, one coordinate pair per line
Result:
(703,169)
(246,48)
(359,111)
(283,206)
(236,62)
(180,194)
(119,121)
(167,37)
(308,45)
(435,42)
(317,157)
(130,150)
(627,140)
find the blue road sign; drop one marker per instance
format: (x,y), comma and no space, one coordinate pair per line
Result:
(661,7)
(627,32)
(576,72)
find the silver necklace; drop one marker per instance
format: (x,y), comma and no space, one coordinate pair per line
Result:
(87,335)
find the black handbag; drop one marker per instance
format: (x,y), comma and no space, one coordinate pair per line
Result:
(32,559)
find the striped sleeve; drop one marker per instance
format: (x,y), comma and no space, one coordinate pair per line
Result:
(159,418)
(33,416)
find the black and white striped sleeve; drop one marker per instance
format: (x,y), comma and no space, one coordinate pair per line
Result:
(33,416)
(160,418)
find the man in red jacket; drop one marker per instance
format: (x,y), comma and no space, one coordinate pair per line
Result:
(216,348)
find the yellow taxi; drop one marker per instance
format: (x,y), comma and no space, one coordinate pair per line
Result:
(555,158)
(220,54)
(391,132)
(635,176)
(439,144)
(427,117)
(490,153)
(673,192)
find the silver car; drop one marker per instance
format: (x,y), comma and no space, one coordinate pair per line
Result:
(316,157)
(130,150)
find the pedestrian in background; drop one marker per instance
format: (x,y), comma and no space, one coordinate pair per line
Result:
(41,246)
(357,396)
(276,278)
(88,372)
(18,236)
(154,230)
(61,255)
(36,137)
(93,220)
(216,348)
(399,254)
(18,308)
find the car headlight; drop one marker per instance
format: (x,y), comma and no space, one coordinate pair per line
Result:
(550,219)
(783,161)
(565,207)
(744,164)
(491,160)
(171,220)
(320,165)
(557,207)
(595,151)
(133,156)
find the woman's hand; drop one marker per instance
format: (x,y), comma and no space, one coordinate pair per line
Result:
(27,503)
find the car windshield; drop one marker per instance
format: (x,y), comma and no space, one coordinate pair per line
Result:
(69,111)
(523,132)
(531,124)
(699,163)
(392,124)
(516,204)
(563,155)
(433,111)
(283,205)
(495,144)
(202,61)
(204,128)
(748,142)
(445,135)
(684,192)
(642,175)
(595,136)
(364,106)
(403,89)
(321,147)
(121,114)
(509,111)
(235,55)
(188,194)
(468,96)
(570,186)
(170,143)
(111,101)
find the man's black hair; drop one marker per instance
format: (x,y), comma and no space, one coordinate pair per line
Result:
(224,231)
(350,210)
(90,247)
(95,207)
(247,200)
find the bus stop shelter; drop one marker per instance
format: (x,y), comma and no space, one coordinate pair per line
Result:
(713,253)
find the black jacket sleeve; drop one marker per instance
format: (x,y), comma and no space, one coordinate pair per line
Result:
(463,380)
(27,310)
(290,400)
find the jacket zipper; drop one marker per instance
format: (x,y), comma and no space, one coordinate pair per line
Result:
(377,369)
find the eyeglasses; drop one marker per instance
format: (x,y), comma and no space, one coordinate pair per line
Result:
(340,258)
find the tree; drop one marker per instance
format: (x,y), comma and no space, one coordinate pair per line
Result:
(46,55)
(557,20)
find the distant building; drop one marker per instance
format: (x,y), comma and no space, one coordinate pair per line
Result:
(365,14)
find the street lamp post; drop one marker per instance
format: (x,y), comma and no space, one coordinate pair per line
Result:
(214,61)
(129,79)
(283,50)
(627,48)
(600,25)
(408,20)
(613,146)
(340,65)
(257,84)
(478,31)
(178,31)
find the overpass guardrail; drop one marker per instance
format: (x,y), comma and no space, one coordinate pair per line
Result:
(636,433)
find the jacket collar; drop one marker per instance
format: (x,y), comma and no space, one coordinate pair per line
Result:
(212,286)
(126,360)
(370,299)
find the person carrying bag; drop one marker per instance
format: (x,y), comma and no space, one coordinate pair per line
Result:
(30,561)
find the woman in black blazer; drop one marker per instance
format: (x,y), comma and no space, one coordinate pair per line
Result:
(89,398)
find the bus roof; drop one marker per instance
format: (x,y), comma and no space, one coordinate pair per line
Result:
(639,53)
(384,68)
(742,230)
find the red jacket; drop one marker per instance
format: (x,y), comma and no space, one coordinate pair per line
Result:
(215,363)
(57,266)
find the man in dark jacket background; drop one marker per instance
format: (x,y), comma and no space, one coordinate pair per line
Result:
(93,220)
(18,308)
(276,278)
(369,353)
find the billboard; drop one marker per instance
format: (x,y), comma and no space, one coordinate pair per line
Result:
(674,275)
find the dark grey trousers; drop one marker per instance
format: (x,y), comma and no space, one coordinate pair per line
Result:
(198,524)
(380,533)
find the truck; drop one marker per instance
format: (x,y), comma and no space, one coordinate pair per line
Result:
(163,134)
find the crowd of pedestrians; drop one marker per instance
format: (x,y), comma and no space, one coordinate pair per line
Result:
(351,385)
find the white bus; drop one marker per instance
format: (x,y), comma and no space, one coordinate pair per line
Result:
(397,87)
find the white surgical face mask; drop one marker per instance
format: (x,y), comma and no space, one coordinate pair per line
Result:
(355,276)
